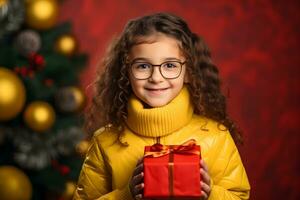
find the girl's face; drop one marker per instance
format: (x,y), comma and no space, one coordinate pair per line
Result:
(156,90)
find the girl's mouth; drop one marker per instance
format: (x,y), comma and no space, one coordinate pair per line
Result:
(156,91)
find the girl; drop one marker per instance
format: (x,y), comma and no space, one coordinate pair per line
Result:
(159,85)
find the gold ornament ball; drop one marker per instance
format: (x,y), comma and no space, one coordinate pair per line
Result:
(66,45)
(70,188)
(41,14)
(82,147)
(3,2)
(12,95)
(14,184)
(39,116)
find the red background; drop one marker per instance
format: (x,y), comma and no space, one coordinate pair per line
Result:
(255,44)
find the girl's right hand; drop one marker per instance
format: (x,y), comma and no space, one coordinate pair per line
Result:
(136,183)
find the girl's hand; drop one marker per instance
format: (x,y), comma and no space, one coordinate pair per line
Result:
(136,183)
(205,180)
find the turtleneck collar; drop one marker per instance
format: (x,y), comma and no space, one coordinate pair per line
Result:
(160,121)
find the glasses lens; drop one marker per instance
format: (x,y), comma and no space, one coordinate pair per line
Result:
(141,70)
(171,69)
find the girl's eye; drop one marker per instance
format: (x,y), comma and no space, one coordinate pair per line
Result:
(170,65)
(141,66)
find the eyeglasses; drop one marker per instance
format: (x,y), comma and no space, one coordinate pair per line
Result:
(168,69)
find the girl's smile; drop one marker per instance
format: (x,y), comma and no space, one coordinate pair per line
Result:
(156,92)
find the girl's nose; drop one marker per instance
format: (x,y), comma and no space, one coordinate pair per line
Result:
(156,76)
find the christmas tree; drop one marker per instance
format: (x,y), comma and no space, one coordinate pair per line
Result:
(41,140)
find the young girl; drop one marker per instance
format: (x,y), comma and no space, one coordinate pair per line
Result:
(159,85)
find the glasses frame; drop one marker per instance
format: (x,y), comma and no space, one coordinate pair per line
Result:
(152,65)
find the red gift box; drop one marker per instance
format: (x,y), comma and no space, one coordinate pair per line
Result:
(172,171)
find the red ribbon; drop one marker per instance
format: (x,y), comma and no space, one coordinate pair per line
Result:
(158,150)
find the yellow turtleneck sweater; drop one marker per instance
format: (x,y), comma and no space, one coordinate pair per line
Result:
(160,121)
(112,158)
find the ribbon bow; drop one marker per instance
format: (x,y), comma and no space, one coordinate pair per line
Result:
(158,150)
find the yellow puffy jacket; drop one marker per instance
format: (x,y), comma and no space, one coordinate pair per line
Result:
(111,159)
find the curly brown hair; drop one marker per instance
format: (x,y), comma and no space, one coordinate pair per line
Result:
(109,105)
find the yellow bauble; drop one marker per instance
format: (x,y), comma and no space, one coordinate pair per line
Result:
(66,44)
(82,147)
(70,188)
(3,2)
(39,116)
(14,184)
(12,94)
(41,14)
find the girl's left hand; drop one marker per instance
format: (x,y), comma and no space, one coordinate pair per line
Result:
(205,180)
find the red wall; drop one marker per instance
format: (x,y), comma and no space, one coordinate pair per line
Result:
(255,46)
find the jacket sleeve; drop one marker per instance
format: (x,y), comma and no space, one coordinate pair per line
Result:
(229,178)
(95,179)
